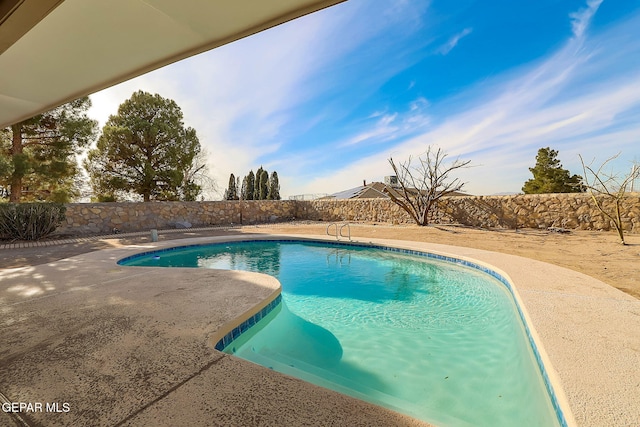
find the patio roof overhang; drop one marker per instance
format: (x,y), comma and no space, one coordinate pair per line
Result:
(54,51)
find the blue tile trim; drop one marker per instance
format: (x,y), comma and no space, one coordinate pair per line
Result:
(244,326)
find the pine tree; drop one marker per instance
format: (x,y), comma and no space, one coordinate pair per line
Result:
(249,186)
(243,188)
(39,154)
(232,192)
(274,187)
(256,189)
(550,177)
(145,149)
(263,185)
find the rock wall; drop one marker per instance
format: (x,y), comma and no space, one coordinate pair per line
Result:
(572,211)
(98,218)
(367,210)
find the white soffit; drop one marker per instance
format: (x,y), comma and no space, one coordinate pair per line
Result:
(83,46)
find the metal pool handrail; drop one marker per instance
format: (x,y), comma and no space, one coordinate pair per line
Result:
(339,230)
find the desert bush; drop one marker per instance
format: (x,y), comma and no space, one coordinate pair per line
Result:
(30,221)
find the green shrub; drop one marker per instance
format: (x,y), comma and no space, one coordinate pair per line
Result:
(30,221)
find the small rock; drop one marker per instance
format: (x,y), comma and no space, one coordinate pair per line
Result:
(183,224)
(558,230)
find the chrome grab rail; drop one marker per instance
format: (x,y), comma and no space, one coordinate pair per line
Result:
(329,226)
(348,229)
(338,233)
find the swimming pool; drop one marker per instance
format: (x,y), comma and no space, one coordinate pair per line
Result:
(432,339)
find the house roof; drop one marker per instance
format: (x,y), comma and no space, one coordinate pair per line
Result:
(374,190)
(54,51)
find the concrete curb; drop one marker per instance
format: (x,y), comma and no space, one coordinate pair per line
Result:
(44,243)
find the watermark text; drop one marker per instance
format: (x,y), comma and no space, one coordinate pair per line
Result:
(56,407)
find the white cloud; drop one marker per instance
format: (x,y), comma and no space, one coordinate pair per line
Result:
(241,98)
(580,20)
(419,104)
(453,41)
(391,126)
(580,100)
(383,129)
(245,98)
(238,96)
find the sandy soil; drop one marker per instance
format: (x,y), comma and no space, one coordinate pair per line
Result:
(597,254)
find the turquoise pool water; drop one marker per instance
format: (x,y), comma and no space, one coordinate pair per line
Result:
(431,339)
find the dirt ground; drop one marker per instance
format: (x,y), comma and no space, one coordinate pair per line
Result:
(597,254)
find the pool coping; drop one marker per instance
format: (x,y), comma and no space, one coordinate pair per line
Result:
(573,318)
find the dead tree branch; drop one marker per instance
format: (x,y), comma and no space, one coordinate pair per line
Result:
(421,185)
(612,187)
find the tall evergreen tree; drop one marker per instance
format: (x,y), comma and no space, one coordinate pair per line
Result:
(248,186)
(231,193)
(263,185)
(256,189)
(243,189)
(274,187)
(550,177)
(40,152)
(145,149)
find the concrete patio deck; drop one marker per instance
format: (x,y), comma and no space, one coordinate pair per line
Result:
(127,346)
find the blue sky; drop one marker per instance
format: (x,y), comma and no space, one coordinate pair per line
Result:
(326,99)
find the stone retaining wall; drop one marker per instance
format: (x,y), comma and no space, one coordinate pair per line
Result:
(98,218)
(572,211)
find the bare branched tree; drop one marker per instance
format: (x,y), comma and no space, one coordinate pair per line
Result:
(198,174)
(421,185)
(613,187)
